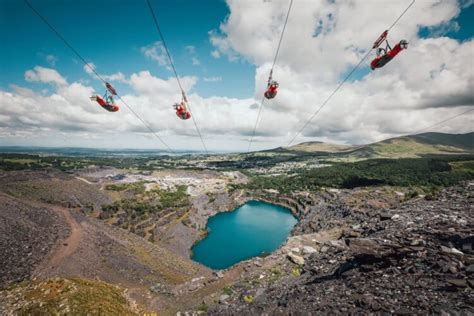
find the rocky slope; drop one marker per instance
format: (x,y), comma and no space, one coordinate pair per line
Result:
(27,234)
(374,249)
(46,233)
(51,186)
(413,257)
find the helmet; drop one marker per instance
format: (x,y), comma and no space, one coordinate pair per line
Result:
(404,44)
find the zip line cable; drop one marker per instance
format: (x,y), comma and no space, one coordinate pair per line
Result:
(441,122)
(345,79)
(271,72)
(435,124)
(256,123)
(155,20)
(96,73)
(282,32)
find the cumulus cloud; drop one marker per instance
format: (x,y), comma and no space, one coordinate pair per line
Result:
(45,75)
(120,77)
(215,54)
(91,68)
(156,52)
(67,109)
(324,40)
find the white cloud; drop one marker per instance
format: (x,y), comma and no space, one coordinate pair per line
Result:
(323,41)
(215,54)
(45,75)
(212,79)
(191,50)
(156,52)
(120,77)
(51,59)
(430,81)
(466,3)
(90,68)
(195,61)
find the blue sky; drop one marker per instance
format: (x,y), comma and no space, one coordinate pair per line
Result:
(430,80)
(111,33)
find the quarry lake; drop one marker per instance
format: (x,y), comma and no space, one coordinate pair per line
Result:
(253,229)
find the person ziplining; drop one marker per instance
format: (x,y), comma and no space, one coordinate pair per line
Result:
(272,87)
(384,55)
(107,101)
(182,109)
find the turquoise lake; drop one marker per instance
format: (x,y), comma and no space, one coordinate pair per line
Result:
(250,230)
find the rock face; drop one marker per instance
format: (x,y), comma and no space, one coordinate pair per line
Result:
(421,261)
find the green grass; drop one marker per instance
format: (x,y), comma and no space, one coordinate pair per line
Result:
(177,198)
(410,148)
(462,165)
(136,211)
(72,297)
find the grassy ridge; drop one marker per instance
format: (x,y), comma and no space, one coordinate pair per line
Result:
(413,146)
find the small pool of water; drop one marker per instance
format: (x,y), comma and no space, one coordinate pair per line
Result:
(253,229)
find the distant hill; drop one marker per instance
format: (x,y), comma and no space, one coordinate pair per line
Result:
(398,147)
(321,147)
(465,141)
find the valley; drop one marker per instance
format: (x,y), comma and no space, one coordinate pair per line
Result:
(373,234)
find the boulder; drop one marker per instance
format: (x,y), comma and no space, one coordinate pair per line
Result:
(453,251)
(295,249)
(308,250)
(295,258)
(219,274)
(223,298)
(324,249)
(339,244)
(385,216)
(371,246)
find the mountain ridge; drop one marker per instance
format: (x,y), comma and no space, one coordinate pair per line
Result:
(397,147)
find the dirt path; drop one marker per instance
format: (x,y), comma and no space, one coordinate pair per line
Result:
(70,244)
(63,248)
(84,180)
